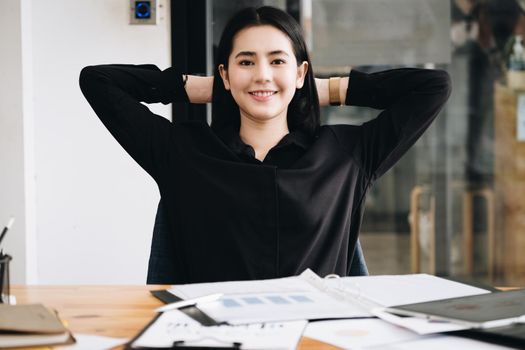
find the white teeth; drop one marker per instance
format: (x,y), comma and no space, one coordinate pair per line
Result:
(262,93)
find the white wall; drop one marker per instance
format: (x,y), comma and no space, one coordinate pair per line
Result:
(13,190)
(94,206)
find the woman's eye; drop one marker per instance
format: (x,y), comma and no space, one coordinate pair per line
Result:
(278,61)
(245,63)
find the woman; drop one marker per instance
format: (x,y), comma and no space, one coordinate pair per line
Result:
(265,191)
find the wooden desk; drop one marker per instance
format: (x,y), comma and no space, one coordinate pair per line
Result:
(113,311)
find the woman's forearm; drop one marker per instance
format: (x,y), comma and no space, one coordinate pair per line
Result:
(199,89)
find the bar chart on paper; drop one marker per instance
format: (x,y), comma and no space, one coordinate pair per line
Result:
(264,300)
(283,306)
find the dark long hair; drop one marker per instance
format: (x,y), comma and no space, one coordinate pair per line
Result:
(303,110)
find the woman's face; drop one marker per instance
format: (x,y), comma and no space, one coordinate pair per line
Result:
(262,73)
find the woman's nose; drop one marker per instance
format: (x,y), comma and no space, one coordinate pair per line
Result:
(263,73)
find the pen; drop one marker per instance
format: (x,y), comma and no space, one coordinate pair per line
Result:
(8,226)
(190,302)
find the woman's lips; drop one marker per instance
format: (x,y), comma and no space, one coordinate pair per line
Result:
(262,95)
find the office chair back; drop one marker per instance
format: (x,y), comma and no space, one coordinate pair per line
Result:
(160,270)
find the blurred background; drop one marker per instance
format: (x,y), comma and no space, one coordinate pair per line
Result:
(453,206)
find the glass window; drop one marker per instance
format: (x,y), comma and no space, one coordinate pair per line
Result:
(453,204)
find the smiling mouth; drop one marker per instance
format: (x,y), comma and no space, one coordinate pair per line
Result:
(263,93)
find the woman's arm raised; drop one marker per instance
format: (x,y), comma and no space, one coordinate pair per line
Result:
(115,92)
(199,89)
(323,90)
(410,99)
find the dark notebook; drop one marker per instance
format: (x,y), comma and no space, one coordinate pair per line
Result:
(513,335)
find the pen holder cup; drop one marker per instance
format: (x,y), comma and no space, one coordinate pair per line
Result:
(4,279)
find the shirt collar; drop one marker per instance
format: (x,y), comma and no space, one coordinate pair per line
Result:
(230,136)
(298,138)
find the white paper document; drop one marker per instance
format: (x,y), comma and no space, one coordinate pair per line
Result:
(175,327)
(310,297)
(284,299)
(94,342)
(441,342)
(418,325)
(286,284)
(284,306)
(392,290)
(375,334)
(358,334)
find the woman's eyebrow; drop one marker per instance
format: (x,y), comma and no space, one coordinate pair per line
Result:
(252,53)
(277,52)
(245,53)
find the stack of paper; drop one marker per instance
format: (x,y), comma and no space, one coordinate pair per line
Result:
(310,297)
(31,325)
(273,313)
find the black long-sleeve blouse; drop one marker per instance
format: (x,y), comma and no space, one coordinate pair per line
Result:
(232,217)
